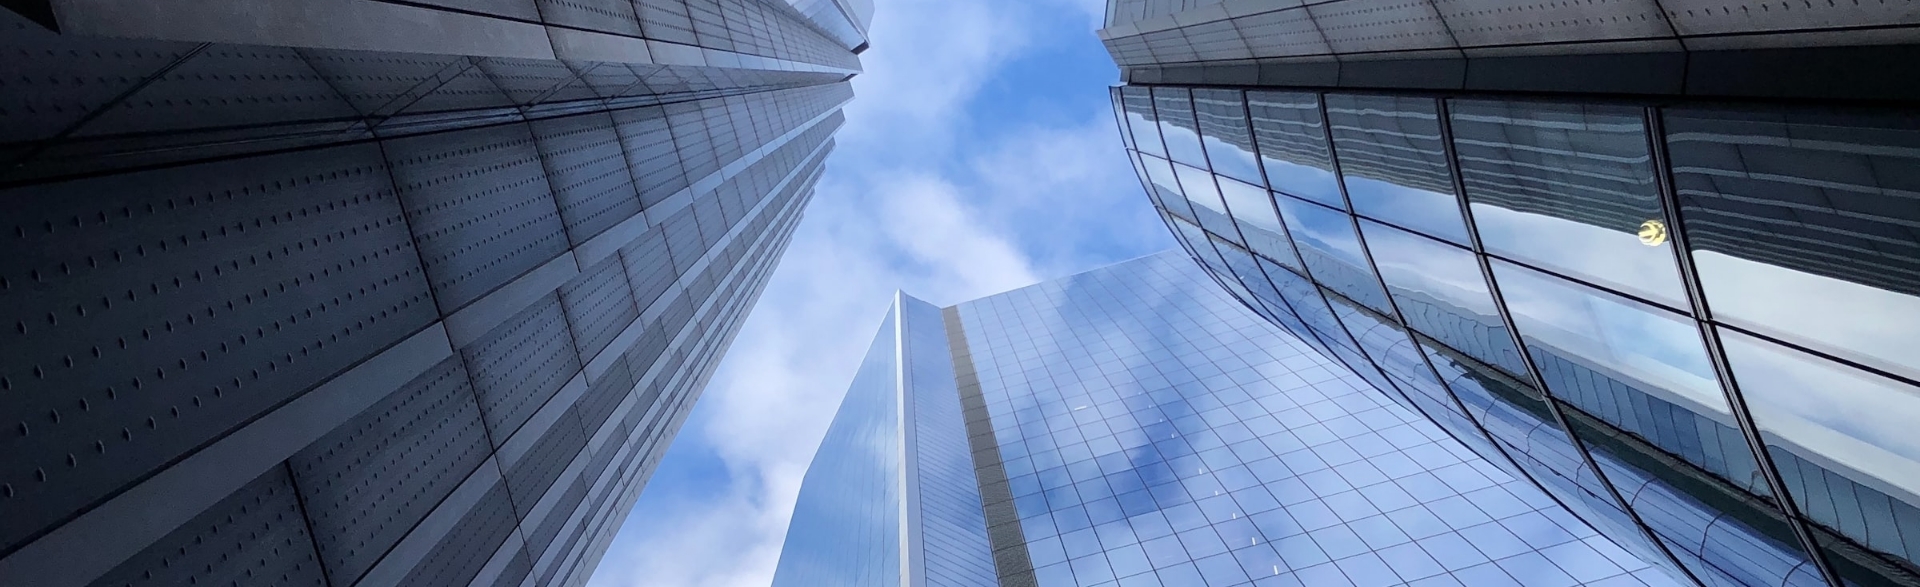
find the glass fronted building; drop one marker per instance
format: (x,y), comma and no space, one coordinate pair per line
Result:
(1134,426)
(890,497)
(1675,293)
(366,293)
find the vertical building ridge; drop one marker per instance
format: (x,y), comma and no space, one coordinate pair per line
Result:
(1011,563)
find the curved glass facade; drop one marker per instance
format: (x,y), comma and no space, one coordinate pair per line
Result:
(1619,302)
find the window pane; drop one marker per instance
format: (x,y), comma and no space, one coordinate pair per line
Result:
(1141,121)
(1258,222)
(1177,127)
(1640,369)
(1387,345)
(1204,195)
(1568,187)
(1166,186)
(1705,521)
(1197,239)
(1806,228)
(1293,146)
(1331,251)
(1442,294)
(1224,130)
(1843,437)
(1394,164)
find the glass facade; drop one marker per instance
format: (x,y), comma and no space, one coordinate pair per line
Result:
(1620,303)
(890,498)
(846,523)
(1133,426)
(1154,432)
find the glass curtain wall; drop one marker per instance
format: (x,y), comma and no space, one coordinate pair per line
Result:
(1621,301)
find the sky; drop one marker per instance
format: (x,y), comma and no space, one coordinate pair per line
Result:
(979,155)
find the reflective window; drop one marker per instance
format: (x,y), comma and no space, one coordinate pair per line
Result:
(1142,123)
(1233,270)
(1253,209)
(1228,138)
(1517,417)
(1442,294)
(1198,241)
(1204,194)
(1714,529)
(1569,187)
(846,520)
(1394,163)
(1842,438)
(1388,346)
(1293,146)
(1331,251)
(1291,262)
(1177,126)
(1640,369)
(1307,303)
(1120,118)
(1248,272)
(1191,444)
(1806,228)
(1166,186)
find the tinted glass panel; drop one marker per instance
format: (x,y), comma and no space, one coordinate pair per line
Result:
(1197,239)
(1228,138)
(1141,120)
(1641,370)
(1166,186)
(1442,294)
(1568,187)
(1517,417)
(1806,228)
(1177,126)
(1204,195)
(1719,532)
(1293,145)
(1394,163)
(1388,346)
(846,522)
(1842,438)
(1332,251)
(1253,209)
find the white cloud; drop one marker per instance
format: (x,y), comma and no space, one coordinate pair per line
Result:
(911,200)
(1067,189)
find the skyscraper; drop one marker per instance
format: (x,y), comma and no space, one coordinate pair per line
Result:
(1673,241)
(1133,425)
(357,293)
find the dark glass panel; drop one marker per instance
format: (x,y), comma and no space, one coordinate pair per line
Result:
(1331,251)
(1806,226)
(1394,163)
(1568,187)
(1177,126)
(1442,294)
(1293,146)
(1641,369)
(1226,135)
(1844,442)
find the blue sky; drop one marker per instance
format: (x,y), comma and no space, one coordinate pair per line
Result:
(979,156)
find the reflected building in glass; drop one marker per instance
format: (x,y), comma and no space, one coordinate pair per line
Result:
(358,293)
(1661,261)
(1135,426)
